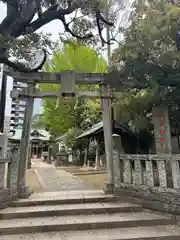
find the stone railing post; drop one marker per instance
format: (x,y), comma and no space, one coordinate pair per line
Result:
(138,169)
(128,173)
(4,193)
(13,173)
(162,136)
(176,170)
(117,150)
(149,173)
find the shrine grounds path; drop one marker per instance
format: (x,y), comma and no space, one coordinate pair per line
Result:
(54,179)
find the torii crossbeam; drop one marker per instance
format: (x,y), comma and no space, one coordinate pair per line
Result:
(67,79)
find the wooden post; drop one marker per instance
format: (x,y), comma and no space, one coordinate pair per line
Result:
(85,157)
(23,189)
(49,154)
(97,164)
(107,124)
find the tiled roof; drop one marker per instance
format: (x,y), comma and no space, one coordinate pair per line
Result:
(92,130)
(97,127)
(44,134)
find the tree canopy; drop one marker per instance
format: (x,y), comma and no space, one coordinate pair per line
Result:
(62,116)
(25,17)
(38,121)
(18,30)
(148,57)
(149,51)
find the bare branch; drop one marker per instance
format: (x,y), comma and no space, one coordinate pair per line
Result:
(66,26)
(52,13)
(104,20)
(15,24)
(21,67)
(100,19)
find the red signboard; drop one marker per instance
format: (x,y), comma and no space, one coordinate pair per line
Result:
(162,132)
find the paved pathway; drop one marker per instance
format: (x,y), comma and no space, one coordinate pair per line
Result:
(57,179)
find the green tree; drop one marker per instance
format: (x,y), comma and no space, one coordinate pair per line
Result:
(78,113)
(70,137)
(148,53)
(38,121)
(148,58)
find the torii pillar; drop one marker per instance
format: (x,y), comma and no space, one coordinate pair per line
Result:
(108,140)
(23,189)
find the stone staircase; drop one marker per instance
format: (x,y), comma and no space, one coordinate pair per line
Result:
(83,215)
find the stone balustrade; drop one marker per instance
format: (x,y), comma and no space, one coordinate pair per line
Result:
(143,178)
(149,170)
(8,177)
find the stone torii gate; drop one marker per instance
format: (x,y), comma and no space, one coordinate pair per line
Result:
(67,79)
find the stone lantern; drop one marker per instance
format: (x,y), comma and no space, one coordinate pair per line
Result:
(70,156)
(61,157)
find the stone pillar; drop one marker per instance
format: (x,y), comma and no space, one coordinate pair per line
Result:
(29,157)
(162,135)
(162,132)
(23,189)
(97,166)
(88,164)
(70,156)
(117,150)
(49,154)
(13,173)
(41,154)
(107,124)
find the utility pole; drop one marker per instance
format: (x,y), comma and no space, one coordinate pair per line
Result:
(108,45)
(108,33)
(2,97)
(107,118)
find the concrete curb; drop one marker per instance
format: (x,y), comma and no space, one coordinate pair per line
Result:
(39,178)
(89,173)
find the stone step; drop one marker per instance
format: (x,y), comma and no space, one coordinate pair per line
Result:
(168,232)
(73,209)
(68,199)
(82,222)
(68,193)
